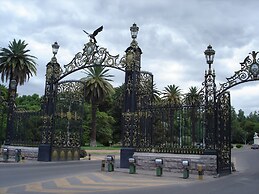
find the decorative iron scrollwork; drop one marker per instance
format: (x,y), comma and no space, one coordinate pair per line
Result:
(249,72)
(144,90)
(72,89)
(92,55)
(64,139)
(223,141)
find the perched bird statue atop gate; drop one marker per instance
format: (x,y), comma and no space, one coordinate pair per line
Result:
(92,36)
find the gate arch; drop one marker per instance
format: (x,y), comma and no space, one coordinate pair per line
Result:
(249,72)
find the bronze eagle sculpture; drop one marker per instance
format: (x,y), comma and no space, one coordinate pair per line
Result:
(92,36)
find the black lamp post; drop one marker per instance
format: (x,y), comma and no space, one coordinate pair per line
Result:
(55,48)
(134,31)
(210,100)
(10,114)
(51,77)
(209,54)
(210,85)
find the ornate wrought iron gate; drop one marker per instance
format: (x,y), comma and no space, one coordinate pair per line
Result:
(223,133)
(249,71)
(27,128)
(69,113)
(53,144)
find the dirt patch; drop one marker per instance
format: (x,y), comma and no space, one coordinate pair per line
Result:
(102,151)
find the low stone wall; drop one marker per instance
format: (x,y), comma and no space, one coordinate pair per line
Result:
(173,162)
(29,153)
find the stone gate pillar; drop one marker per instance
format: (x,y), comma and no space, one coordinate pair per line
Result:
(132,78)
(52,75)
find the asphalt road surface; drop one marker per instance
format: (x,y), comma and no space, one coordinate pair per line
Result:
(87,177)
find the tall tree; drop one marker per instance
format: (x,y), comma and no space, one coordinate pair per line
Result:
(16,63)
(116,111)
(172,94)
(156,94)
(97,89)
(193,97)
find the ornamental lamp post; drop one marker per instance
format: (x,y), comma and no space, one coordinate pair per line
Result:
(210,75)
(210,100)
(209,54)
(134,31)
(55,48)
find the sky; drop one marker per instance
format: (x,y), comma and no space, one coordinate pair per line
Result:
(173,35)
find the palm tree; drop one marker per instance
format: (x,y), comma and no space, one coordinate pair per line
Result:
(193,99)
(156,94)
(172,94)
(97,88)
(16,63)
(16,66)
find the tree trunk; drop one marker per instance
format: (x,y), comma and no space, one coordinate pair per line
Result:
(93,126)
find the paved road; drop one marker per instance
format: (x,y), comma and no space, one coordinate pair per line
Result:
(86,177)
(22,173)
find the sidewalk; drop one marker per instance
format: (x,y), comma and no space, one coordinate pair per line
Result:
(166,175)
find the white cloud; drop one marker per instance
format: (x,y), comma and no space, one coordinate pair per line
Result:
(173,36)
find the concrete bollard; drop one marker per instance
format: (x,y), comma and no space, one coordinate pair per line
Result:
(186,165)
(103,165)
(159,166)
(110,160)
(200,171)
(132,166)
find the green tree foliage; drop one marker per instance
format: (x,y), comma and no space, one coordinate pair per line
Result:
(29,103)
(156,94)
(3,111)
(104,126)
(97,89)
(238,134)
(172,95)
(244,127)
(27,122)
(193,99)
(116,112)
(16,63)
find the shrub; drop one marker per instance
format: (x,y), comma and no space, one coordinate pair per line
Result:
(83,153)
(239,145)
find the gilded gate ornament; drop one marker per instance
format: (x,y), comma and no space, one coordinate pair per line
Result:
(249,72)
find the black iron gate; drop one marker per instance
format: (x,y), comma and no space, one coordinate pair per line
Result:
(223,133)
(69,114)
(53,144)
(26,128)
